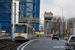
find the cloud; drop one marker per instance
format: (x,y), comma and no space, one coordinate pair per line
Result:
(55,7)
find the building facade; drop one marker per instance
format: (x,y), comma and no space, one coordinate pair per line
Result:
(47,23)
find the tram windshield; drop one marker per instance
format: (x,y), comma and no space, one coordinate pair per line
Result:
(20,29)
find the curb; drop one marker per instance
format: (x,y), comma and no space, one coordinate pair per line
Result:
(25,44)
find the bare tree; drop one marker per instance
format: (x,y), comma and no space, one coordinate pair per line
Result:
(57,25)
(70,23)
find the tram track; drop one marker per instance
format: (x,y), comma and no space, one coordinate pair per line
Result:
(14,47)
(9,45)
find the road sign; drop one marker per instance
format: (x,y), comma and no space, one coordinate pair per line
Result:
(53,31)
(3,31)
(68,31)
(63,32)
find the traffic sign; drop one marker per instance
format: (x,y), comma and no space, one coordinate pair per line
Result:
(3,31)
(33,29)
(68,31)
(53,31)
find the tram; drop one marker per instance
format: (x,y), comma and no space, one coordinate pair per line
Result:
(22,31)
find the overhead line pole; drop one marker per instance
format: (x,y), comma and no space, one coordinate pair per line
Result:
(62,23)
(73,26)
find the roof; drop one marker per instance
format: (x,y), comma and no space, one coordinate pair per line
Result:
(48,13)
(72,35)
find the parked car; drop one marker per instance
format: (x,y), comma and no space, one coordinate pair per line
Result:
(55,36)
(70,43)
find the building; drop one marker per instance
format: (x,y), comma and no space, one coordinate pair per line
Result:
(47,23)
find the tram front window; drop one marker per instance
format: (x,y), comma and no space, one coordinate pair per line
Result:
(20,29)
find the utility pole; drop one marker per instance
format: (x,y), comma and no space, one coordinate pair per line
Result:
(62,23)
(73,26)
(66,24)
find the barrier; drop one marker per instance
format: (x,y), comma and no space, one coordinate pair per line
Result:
(34,35)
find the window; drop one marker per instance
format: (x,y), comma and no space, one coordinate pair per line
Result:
(73,38)
(20,29)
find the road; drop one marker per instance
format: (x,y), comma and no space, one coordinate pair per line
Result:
(46,44)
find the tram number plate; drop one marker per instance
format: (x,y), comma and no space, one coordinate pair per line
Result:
(19,34)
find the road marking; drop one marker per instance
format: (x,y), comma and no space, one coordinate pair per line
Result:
(20,46)
(40,42)
(24,46)
(58,46)
(64,41)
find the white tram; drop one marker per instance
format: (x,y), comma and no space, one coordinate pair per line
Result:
(22,31)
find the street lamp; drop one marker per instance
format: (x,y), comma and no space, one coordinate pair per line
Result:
(62,23)
(73,26)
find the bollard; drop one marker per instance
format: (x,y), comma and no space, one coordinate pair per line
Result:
(39,34)
(0,34)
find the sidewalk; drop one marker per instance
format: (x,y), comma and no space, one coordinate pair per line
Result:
(5,37)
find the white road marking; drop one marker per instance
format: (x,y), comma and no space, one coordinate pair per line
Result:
(64,41)
(20,46)
(40,42)
(24,46)
(58,46)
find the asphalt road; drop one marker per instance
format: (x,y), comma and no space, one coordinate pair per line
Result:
(46,44)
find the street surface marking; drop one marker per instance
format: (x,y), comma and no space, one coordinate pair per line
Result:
(64,41)
(58,46)
(20,46)
(24,46)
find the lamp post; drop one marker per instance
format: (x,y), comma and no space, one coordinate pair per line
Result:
(73,26)
(62,23)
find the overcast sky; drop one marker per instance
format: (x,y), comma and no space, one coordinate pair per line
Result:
(55,7)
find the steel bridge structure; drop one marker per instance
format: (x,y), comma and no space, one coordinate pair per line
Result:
(28,9)
(5,15)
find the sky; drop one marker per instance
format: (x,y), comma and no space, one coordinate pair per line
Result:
(56,6)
